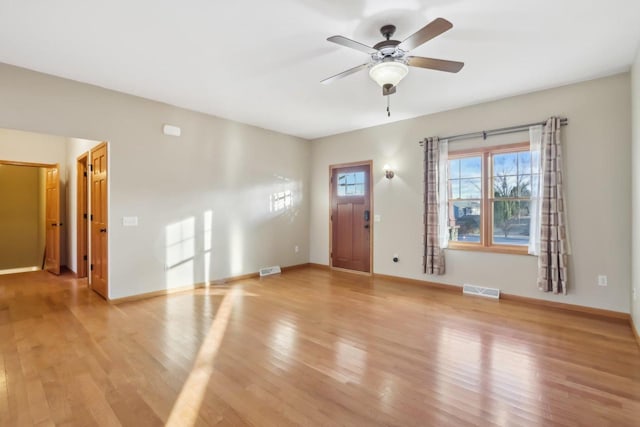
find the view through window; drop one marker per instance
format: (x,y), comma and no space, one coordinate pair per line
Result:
(490,197)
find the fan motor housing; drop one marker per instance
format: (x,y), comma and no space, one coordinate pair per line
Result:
(387,47)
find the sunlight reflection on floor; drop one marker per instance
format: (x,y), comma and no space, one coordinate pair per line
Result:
(185,410)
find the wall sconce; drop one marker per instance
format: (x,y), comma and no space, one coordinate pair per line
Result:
(388,172)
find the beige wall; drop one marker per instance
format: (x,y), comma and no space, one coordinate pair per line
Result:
(635,196)
(597,150)
(20,225)
(226,168)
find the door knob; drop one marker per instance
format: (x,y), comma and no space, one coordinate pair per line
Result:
(103,230)
(366,226)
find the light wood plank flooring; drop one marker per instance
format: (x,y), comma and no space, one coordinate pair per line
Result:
(309,348)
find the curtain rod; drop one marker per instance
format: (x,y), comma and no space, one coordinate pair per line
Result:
(484,134)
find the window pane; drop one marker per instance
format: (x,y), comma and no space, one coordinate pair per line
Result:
(454,189)
(351,179)
(454,168)
(524,186)
(351,184)
(524,162)
(511,223)
(471,167)
(505,186)
(505,164)
(464,221)
(471,188)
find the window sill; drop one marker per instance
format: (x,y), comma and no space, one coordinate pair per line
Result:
(510,250)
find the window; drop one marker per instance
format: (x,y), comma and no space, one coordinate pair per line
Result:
(489,198)
(351,184)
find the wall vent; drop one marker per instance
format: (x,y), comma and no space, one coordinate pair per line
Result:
(267,271)
(481,291)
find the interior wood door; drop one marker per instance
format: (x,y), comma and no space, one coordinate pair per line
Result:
(52,218)
(99,225)
(82,215)
(351,217)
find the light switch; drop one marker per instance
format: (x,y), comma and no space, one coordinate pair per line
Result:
(376,218)
(130,221)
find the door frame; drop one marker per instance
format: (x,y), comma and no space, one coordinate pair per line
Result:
(31,164)
(82,208)
(371,226)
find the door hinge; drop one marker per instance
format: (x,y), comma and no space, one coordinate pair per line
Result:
(84,257)
(85,174)
(84,216)
(91,267)
(91,217)
(331,218)
(91,168)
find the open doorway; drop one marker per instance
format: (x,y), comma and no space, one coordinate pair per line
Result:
(29,217)
(46,151)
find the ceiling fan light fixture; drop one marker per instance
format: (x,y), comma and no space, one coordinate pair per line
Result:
(388,72)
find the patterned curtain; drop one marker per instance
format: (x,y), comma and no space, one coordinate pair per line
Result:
(433,260)
(554,244)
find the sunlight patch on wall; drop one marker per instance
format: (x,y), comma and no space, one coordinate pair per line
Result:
(180,248)
(280,201)
(207,243)
(236,246)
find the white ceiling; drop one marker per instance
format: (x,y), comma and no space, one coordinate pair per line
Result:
(260,62)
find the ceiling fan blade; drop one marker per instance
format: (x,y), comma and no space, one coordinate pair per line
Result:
(426,33)
(343,41)
(344,74)
(435,64)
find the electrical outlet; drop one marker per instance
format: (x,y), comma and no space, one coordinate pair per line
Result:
(602,280)
(296,249)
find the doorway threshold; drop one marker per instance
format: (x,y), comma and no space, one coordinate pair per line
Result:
(19,270)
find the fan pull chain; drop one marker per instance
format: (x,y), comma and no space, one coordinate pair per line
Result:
(388,106)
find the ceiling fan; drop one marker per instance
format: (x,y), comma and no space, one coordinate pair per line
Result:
(390,63)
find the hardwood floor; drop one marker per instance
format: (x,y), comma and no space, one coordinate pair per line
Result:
(309,347)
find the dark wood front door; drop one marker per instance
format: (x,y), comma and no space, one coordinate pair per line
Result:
(351,217)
